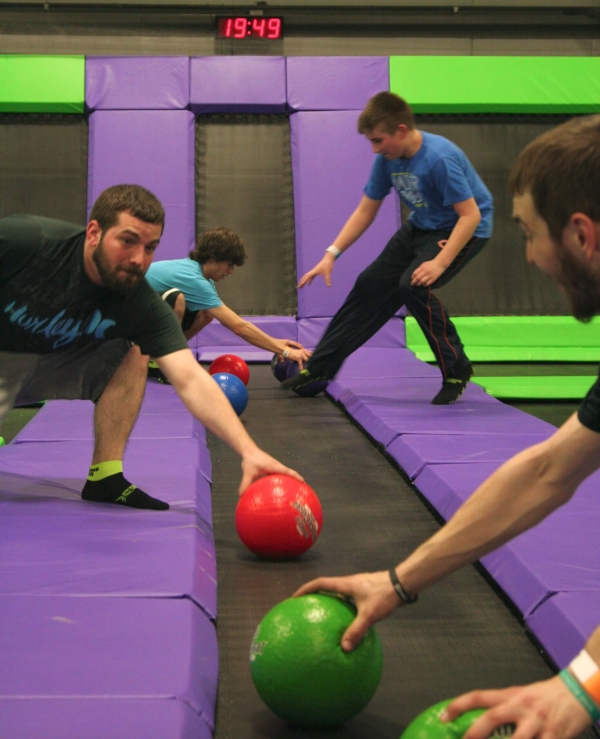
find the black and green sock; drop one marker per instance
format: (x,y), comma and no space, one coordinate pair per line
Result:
(106,484)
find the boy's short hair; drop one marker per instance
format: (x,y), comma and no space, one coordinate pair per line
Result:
(388,110)
(219,244)
(561,171)
(134,199)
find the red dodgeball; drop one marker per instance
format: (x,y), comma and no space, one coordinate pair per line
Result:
(279,517)
(231,364)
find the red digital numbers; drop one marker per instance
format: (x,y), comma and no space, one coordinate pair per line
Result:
(242,27)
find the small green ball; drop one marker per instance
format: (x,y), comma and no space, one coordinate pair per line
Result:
(427,725)
(300,670)
(2,442)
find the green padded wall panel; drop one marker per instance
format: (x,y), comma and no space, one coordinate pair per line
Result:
(497,84)
(517,339)
(42,84)
(547,387)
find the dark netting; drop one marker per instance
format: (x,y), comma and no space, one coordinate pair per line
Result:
(499,281)
(244,183)
(43,166)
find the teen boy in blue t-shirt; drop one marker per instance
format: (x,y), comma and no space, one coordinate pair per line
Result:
(450,222)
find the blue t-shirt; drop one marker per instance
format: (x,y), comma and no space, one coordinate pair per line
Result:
(186,275)
(430,182)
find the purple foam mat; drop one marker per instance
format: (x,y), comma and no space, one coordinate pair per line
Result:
(565,622)
(414,451)
(71,420)
(98,718)
(558,554)
(395,406)
(238,84)
(375,362)
(216,340)
(334,82)
(108,647)
(153,148)
(55,547)
(310,331)
(137,83)
(174,470)
(331,164)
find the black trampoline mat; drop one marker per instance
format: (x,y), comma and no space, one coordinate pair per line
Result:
(459,636)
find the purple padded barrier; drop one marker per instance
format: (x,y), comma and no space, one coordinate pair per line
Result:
(331,164)
(98,718)
(137,82)
(101,647)
(377,362)
(175,470)
(391,335)
(558,554)
(153,148)
(335,82)
(238,84)
(215,340)
(414,451)
(394,406)
(565,622)
(57,547)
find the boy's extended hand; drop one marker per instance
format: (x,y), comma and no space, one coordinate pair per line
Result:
(427,273)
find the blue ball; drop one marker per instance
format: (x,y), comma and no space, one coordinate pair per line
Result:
(234,389)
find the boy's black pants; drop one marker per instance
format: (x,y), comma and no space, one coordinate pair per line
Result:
(383,288)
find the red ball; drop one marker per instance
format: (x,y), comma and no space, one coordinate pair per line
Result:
(231,364)
(278,517)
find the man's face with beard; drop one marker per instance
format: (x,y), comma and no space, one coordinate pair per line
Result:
(566,263)
(120,256)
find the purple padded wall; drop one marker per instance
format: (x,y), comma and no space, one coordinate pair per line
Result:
(238,84)
(215,339)
(137,82)
(153,148)
(565,622)
(391,335)
(153,648)
(335,83)
(99,718)
(331,164)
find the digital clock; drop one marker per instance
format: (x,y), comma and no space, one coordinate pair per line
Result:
(240,27)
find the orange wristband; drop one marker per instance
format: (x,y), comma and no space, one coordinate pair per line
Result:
(587,672)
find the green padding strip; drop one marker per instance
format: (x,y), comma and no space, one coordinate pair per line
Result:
(517,339)
(497,84)
(562,387)
(42,84)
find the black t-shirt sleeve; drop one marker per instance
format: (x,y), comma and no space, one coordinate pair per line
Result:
(157,331)
(20,236)
(589,410)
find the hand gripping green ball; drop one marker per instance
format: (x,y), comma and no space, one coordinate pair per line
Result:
(427,725)
(300,670)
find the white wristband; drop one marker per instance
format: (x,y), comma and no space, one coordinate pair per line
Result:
(286,353)
(334,250)
(587,672)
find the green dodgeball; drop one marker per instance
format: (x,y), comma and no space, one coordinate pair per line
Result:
(300,670)
(427,725)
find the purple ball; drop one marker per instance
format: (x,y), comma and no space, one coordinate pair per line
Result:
(280,369)
(310,389)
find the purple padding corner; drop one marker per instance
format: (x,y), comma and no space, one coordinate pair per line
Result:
(414,451)
(155,149)
(565,622)
(238,84)
(137,82)
(335,82)
(310,331)
(56,547)
(216,340)
(98,718)
(153,648)
(331,164)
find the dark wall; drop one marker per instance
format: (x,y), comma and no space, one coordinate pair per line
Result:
(43,166)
